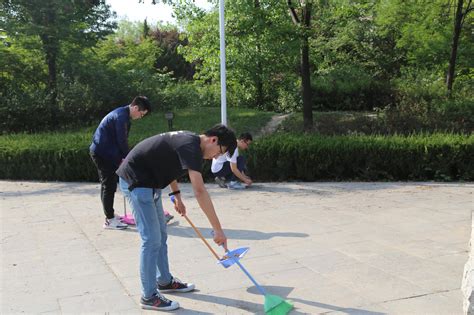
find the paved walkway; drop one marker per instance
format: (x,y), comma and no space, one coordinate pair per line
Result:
(337,248)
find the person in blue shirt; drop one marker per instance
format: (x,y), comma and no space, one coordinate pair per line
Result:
(109,147)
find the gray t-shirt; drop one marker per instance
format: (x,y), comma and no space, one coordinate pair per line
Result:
(157,161)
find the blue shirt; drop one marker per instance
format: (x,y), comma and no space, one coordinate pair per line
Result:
(110,140)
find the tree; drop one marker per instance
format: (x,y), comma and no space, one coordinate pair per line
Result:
(260,50)
(459,17)
(169,39)
(55,22)
(303,21)
(146,29)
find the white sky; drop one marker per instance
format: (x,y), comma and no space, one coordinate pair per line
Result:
(134,11)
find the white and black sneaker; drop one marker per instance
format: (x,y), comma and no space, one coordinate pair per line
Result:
(114,224)
(236,185)
(158,303)
(168,217)
(221,182)
(176,285)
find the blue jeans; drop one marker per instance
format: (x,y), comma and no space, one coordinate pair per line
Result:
(149,219)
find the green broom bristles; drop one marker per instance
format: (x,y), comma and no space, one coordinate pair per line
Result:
(275,305)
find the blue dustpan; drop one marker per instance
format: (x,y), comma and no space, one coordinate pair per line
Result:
(232,256)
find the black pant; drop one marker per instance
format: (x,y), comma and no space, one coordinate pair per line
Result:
(108,183)
(226,171)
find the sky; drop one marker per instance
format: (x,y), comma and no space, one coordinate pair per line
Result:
(134,11)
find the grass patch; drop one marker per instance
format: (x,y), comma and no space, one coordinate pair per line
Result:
(335,123)
(194,119)
(376,123)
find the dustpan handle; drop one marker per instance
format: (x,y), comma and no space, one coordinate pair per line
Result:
(124,206)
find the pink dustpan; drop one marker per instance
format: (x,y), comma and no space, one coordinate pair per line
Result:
(127,218)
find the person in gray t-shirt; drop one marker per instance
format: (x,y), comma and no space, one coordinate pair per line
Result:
(152,165)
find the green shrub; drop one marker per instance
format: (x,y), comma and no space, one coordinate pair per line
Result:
(210,95)
(181,95)
(65,156)
(281,157)
(348,88)
(311,158)
(62,157)
(25,110)
(456,115)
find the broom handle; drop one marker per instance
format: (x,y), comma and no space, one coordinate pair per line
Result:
(198,233)
(202,238)
(248,275)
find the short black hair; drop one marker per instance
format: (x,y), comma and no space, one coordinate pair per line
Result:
(225,136)
(143,103)
(246,136)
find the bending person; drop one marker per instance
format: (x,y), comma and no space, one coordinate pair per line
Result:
(233,167)
(150,166)
(109,146)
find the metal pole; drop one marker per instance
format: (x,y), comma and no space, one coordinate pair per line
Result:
(223,74)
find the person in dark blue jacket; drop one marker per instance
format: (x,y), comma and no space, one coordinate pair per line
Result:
(109,147)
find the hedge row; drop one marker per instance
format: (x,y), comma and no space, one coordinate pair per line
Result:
(62,157)
(283,157)
(278,157)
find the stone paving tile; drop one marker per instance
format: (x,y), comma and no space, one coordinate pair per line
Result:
(436,303)
(348,248)
(373,283)
(39,302)
(103,302)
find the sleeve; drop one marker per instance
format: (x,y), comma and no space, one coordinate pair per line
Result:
(190,157)
(233,158)
(121,133)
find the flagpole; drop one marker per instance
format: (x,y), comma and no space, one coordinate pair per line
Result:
(223,72)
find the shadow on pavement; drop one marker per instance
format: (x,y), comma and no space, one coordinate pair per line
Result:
(238,304)
(175,229)
(283,292)
(258,308)
(58,188)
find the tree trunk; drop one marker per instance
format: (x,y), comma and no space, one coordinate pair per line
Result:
(454,46)
(305,71)
(51,56)
(259,83)
(304,23)
(51,47)
(259,69)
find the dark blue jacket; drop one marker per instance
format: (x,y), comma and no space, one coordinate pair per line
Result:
(110,139)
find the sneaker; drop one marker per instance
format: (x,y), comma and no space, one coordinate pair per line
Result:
(168,218)
(236,185)
(221,182)
(114,224)
(158,303)
(176,285)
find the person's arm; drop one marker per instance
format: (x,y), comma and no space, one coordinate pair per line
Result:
(205,203)
(242,177)
(178,203)
(121,132)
